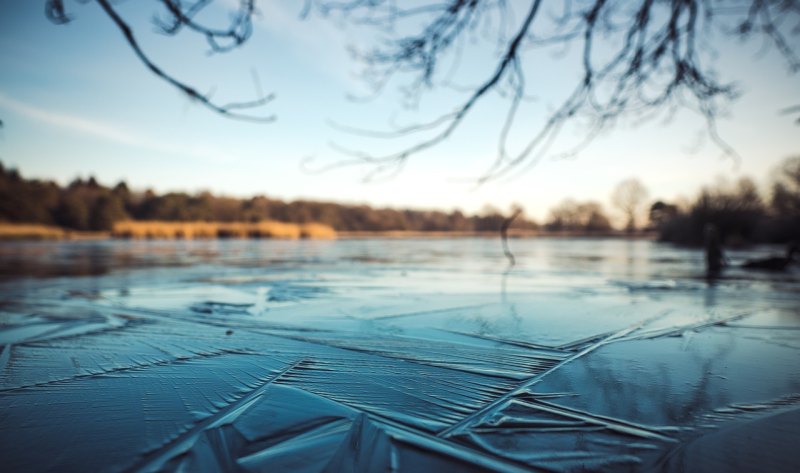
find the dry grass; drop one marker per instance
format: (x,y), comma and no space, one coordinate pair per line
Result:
(317,231)
(13,231)
(189,230)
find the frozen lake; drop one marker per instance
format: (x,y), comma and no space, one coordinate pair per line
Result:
(394,355)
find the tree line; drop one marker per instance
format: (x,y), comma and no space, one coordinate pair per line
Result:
(738,210)
(87,205)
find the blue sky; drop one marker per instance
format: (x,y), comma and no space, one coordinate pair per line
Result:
(75,101)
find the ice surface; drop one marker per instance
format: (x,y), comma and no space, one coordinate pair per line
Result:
(393,355)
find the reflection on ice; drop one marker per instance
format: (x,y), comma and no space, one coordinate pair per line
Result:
(410,355)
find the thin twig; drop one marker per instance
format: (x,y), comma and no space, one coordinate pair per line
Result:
(504,237)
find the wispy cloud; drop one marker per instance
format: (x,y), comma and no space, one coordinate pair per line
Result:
(69,122)
(109,132)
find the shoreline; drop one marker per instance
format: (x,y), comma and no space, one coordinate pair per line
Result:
(512,234)
(145,230)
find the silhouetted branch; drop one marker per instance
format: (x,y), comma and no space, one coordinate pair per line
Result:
(182,15)
(792,110)
(504,236)
(637,59)
(55,12)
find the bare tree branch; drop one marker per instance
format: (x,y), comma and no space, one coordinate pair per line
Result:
(504,235)
(794,109)
(638,59)
(181,15)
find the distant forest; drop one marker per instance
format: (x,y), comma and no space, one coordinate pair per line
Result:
(87,205)
(741,212)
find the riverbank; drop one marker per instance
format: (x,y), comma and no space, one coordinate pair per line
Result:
(10,231)
(269,229)
(512,233)
(172,231)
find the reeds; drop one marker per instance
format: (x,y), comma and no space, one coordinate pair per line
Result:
(14,231)
(190,230)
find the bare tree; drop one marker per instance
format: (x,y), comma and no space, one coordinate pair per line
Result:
(629,196)
(786,188)
(178,16)
(638,59)
(572,216)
